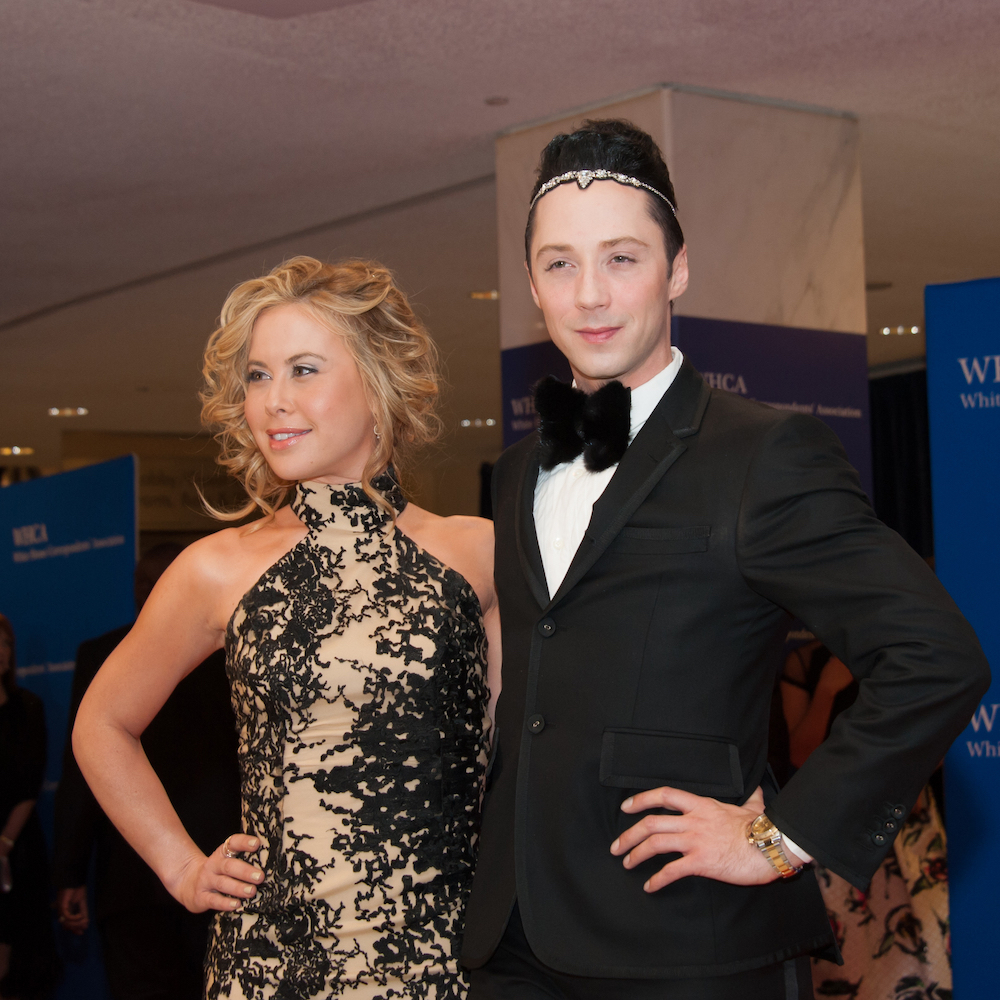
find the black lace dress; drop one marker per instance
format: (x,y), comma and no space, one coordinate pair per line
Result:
(357,665)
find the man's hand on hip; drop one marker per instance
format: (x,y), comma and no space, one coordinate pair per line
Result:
(711,836)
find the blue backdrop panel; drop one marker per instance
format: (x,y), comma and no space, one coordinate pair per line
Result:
(811,371)
(67,543)
(963,397)
(819,372)
(68,550)
(520,369)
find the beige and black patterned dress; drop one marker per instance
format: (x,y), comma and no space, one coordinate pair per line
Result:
(357,664)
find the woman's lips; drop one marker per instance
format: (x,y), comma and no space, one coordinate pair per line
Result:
(285,437)
(598,334)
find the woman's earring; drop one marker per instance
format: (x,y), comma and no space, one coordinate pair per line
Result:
(377,435)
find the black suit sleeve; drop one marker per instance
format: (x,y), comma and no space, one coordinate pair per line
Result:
(77,814)
(808,541)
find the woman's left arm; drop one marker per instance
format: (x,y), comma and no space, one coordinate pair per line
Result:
(486,590)
(491,622)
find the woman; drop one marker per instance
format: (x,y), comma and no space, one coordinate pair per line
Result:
(894,939)
(355,626)
(27,949)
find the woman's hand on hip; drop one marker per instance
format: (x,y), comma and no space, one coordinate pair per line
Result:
(221,881)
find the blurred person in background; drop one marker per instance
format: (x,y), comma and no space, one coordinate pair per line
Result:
(355,626)
(28,965)
(895,937)
(153,948)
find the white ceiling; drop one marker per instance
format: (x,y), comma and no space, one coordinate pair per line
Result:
(144,135)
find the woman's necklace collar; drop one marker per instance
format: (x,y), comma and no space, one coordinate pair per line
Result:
(319,504)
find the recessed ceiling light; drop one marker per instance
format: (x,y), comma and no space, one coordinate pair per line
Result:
(68,411)
(490,296)
(497,102)
(886,331)
(914,329)
(16,449)
(478,422)
(280,8)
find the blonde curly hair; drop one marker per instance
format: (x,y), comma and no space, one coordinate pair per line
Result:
(397,360)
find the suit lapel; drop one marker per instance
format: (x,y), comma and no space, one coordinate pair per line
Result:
(528,552)
(655,449)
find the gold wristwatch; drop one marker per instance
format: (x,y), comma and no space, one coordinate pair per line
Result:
(766,837)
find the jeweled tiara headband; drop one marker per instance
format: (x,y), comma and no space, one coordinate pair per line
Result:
(584,178)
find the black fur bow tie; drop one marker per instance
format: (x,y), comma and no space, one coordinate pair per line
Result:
(570,421)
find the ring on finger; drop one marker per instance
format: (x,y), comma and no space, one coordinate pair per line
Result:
(226,851)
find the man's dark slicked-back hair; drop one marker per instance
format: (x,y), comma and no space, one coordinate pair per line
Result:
(618,145)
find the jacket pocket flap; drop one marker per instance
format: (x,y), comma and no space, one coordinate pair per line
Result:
(691,539)
(641,758)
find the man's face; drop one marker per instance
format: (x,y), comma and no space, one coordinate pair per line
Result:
(599,273)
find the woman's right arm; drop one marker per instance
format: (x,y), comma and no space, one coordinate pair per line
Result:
(181,623)
(811,729)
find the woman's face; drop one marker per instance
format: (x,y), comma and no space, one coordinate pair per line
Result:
(305,401)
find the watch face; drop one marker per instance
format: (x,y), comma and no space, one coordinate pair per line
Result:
(762,828)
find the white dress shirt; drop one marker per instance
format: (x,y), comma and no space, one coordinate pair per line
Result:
(565,498)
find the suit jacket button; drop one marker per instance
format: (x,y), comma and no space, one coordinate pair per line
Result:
(879,839)
(547,627)
(898,812)
(890,825)
(536,723)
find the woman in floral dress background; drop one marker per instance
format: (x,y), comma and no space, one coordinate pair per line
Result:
(894,938)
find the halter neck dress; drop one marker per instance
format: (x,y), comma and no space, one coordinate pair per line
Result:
(357,665)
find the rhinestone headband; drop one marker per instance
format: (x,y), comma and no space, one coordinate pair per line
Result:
(584,178)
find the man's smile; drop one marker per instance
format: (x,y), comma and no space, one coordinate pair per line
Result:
(598,334)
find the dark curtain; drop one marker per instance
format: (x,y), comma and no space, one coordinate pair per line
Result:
(485,494)
(902,472)
(901,457)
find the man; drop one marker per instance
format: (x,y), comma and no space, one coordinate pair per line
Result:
(634,843)
(153,948)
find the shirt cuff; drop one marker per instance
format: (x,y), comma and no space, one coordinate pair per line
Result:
(796,852)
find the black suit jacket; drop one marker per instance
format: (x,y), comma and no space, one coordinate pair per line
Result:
(191,745)
(654,664)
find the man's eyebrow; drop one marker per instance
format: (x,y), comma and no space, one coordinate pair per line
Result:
(604,245)
(553,248)
(618,241)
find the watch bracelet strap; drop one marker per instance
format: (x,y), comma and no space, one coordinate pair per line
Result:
(775,854)
(779,860)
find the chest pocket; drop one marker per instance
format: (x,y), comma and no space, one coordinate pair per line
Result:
(642,758)
(664,540)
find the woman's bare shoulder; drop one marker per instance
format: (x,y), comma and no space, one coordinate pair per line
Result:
(226,556)
(457,529)
(461,542)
